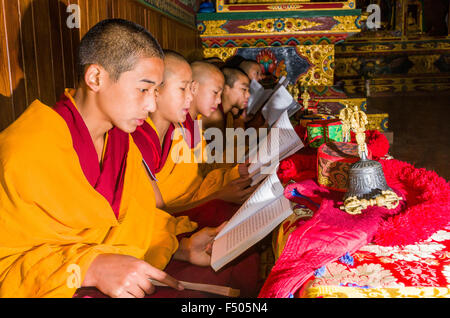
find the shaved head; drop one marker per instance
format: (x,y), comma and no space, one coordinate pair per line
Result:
(246,65)
(202,71)
(116,45)
(232,74)
(171,60)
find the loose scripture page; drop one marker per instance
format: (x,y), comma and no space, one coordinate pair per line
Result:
(249,232)
(256,92)
(290,142)
(262,95)
(267,192)
(280,101)
(282,141)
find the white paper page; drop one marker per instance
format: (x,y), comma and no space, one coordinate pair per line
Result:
(256,91)
(283,81)
(265,193)
(249,232)
(283,136)
(277,104)
(258,103)
(287,134)
(293,108)
(255,104)
(261,175)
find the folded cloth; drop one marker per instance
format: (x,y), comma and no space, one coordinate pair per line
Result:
(328,235)
(300,166)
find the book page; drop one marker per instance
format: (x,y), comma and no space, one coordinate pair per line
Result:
(293,108)
(280,101)
(282,141)
(249,232)
(256,91)
(258,103)
(255,104)
(267,192)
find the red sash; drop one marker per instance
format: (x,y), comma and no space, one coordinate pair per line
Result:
(147,140)
(193,135)
(107,178)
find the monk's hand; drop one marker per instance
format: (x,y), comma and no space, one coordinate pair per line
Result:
(125,276)
(197,248)
(256,121)
(237,191)
(243,169)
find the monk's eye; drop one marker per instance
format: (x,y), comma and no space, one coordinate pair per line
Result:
(143,90)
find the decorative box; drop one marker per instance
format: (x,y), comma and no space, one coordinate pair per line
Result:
(334,160)
(305,119)
(323,131)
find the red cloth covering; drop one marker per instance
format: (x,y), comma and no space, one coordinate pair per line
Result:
(377,143)
(108,177)
(331,233)
(428,204)
(328,235)
(300,166)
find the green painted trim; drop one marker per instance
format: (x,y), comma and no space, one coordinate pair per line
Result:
(192,26)
(275,14)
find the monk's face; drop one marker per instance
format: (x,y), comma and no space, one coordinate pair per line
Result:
(127,102)
(254,72)
(174,97)
(239,94)
(208,94)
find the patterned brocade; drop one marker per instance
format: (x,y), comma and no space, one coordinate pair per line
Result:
(355,292)
(421,270)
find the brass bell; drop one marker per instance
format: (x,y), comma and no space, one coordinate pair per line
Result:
(366,179)
(367,185)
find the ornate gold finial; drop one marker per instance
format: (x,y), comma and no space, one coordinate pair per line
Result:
(294,91)
(305,97)
(358,122)
(345,116)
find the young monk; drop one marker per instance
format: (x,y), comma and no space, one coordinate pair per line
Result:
(234,101)
(170,130)
(252,69)
(210,200)
(76,207)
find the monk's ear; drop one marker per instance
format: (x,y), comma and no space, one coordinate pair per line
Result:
(93,77)
(194,87)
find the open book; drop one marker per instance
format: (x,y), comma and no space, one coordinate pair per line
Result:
(281,100)
(259,95)
(272,101)
(281,142)
(263,211)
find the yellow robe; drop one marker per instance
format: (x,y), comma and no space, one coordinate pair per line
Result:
(181,181)
(52,220)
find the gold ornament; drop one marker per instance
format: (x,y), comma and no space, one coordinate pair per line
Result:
(345,116)
(388,199)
